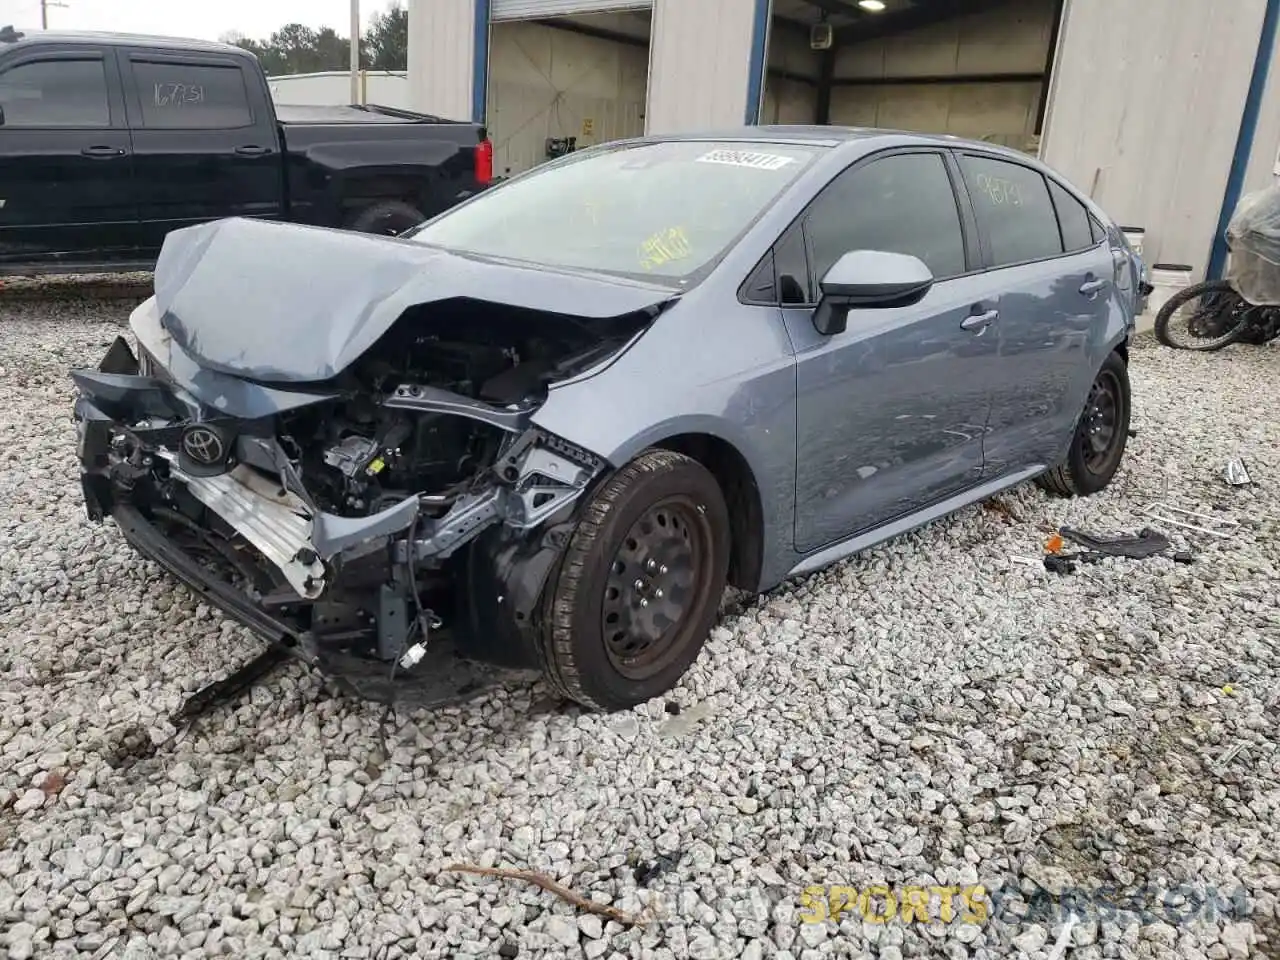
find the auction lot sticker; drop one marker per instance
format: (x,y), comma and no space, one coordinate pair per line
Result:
(747,158)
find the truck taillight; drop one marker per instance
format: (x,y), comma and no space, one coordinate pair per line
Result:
(484,162)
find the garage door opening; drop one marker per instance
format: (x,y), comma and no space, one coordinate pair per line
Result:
(973,68)
(559,84)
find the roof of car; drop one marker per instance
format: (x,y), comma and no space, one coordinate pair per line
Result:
(87,37)
(825,136)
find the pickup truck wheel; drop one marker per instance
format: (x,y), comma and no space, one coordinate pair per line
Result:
(1098,445)
(640,584)
(389,219)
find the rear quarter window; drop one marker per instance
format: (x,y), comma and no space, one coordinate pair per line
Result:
(1077,225)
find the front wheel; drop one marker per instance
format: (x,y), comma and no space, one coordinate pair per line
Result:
(1101,435)
(1204,316)
(640,584)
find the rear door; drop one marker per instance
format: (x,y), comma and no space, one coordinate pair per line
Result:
(65,159)
(204,139)
(1055,274)
(890,412)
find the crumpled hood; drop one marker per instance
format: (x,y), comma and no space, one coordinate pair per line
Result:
(284,303)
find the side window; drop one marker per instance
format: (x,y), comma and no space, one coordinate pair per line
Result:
(188,96)
(1013,209)
(55,93)
(898,204)
(1096,229)
(1077,230)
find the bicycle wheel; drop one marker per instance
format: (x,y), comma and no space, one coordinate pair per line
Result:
(1204,316)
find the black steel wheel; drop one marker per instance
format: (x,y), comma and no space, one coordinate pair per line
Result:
(1100,438)
(652,585)
(1204,317)
(640,584)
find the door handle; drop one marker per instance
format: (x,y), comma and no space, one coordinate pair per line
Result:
(253,151)
(979,321)
(1090,287)
(103,152)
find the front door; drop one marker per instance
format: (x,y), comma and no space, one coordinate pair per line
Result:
(890,412)
(66,164)
(1057,276)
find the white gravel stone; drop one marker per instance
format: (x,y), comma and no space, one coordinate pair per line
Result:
(929,713)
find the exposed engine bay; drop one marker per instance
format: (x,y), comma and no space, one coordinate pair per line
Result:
(369,512)
(389,439)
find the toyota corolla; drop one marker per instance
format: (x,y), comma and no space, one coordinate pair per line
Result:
(549,426)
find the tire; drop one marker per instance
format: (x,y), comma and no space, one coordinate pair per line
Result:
(390,218)
(1086,471)
(661,509)
(1165,317)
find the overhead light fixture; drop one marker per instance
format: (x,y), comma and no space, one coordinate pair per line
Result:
(872,6)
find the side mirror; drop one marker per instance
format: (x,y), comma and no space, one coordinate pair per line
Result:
(869,279)
(1,115)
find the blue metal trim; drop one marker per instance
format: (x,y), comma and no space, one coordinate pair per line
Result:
(1244,141)
(759,58)
(480,63)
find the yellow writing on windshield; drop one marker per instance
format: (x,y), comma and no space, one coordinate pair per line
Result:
(664,247)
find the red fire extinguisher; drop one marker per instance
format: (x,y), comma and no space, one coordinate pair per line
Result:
(484,159)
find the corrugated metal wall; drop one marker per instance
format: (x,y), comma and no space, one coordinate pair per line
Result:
(699,64)
(545,82)
(788,100)
(1145,109)
(441,56)
(1005,41)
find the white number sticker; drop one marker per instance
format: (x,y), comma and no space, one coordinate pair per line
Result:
(744,158)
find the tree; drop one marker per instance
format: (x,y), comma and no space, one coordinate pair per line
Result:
(386,42)
(297,48)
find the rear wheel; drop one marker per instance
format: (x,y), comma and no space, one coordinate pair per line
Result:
(390,218)
(640,584)
(1100,438)
(1204,316)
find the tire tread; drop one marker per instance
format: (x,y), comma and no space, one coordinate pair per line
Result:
(558,664)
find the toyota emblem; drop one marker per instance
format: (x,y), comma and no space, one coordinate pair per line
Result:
(203,446)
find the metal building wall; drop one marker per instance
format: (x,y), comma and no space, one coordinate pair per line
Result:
(1006,42)
(1264,158)
(705,56)
(545,82)
(442,55)
(1145,107)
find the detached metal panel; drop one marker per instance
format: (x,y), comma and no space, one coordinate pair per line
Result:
(703,68)
(530,9)
(1144,112)
(442,47)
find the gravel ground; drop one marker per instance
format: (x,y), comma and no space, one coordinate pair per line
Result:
(929,714)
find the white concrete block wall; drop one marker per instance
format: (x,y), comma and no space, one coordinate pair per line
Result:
(333,88)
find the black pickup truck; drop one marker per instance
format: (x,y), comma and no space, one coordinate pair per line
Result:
(109,142)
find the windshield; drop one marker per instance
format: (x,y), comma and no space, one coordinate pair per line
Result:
(663,210)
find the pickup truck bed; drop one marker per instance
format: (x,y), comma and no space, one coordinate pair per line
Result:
(110,142)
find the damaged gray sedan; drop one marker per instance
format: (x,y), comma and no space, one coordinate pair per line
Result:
(544,430)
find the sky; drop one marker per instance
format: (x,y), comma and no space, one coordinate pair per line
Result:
(200,19)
